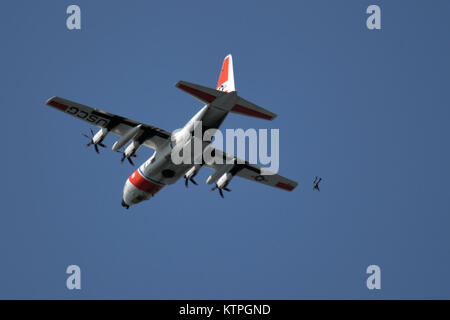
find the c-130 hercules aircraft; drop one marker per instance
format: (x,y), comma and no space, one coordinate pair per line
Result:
(159,170)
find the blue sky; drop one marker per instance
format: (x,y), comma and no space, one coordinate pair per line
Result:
(366,110)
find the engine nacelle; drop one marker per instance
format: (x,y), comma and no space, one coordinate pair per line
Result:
(192,172)
(224,180)
(100,136)
(132,149)
(219,173)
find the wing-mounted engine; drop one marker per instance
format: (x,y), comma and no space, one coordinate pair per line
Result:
(190,174)
(97,138)
(130,152)
(137,135)
(222,183)
(222,178)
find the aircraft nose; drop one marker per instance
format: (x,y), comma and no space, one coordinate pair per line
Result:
(125,205)
(132,195)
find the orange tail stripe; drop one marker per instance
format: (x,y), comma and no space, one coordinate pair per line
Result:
(224,73)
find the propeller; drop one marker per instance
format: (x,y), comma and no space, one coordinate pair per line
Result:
(91,138)
(128,158)
(220,190)
(186,181)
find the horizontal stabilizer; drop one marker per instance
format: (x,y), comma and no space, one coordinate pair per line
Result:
(247,108)
(208,95)
(202,93)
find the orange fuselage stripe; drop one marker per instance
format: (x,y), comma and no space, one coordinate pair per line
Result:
(143,184)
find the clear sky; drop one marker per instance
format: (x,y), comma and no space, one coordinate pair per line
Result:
(368,111)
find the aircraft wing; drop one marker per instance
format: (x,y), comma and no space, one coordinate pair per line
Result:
(152,137)
(251,172)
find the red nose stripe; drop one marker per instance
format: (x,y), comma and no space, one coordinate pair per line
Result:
(143,184)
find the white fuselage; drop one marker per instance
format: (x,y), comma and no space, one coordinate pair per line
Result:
(159,170)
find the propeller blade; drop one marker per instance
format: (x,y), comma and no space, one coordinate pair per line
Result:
(123,158)
(102,145)
(226,189)
(221,192)
(92,132)
(186,182)
(85,135)
(130,161)
(193,181)
(96,148)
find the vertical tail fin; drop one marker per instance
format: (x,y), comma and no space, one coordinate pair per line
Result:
(226,77)
(226,84)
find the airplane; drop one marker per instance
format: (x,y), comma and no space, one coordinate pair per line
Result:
(316,182)
(159,170)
